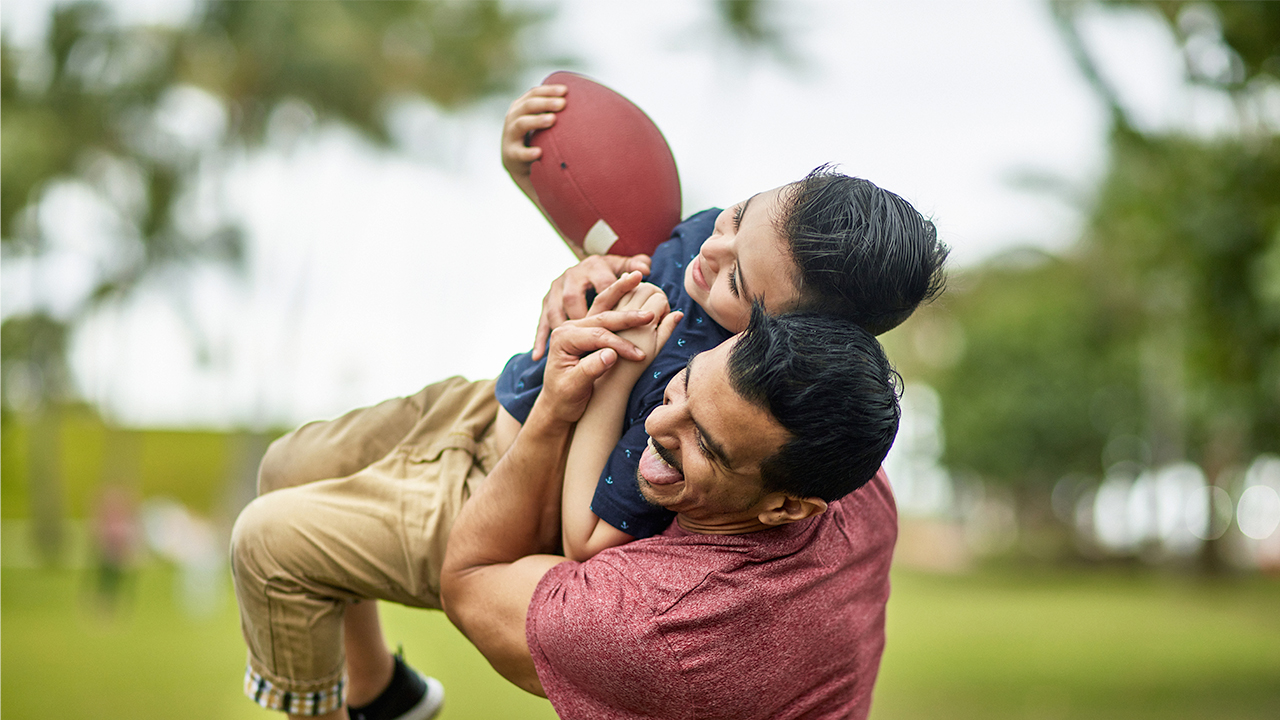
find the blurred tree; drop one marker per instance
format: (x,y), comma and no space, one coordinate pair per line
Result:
(1046,374)
(1188,228)
(1164,320)
(88,107)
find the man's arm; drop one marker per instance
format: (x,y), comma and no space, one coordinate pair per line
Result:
(500,545)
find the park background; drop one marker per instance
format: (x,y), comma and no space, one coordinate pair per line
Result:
(222,219)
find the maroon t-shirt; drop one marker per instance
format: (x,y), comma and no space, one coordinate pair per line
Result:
(782,623)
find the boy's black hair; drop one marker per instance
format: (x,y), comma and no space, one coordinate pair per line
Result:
(828,382)
(863,253)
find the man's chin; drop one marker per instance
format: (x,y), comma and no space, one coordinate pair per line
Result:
(657,495)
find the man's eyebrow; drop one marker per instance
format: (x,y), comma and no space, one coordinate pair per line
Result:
(716,448)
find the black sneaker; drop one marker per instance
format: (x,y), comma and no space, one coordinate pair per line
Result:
(410,696)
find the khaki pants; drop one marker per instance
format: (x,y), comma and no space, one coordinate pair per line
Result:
(351,509)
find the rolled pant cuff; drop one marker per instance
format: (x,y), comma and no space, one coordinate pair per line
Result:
(272,696)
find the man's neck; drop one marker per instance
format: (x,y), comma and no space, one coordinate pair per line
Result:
(736,527)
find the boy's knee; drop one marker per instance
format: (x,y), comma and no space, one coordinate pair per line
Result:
(273,471)
(259,535)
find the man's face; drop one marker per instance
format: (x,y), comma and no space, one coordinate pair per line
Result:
(705,448)
(744,259)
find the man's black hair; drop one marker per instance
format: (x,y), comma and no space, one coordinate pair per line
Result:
(827,381)
(863,253)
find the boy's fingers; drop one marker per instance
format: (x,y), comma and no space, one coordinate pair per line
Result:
(668,326)
(608,298)
(574,301)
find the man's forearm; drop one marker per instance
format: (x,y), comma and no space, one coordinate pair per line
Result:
(516,510)
(492,564)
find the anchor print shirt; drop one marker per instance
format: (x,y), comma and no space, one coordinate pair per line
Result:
(617,498)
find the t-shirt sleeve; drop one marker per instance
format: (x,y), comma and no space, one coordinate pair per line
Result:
(596,648)
(519,384)
(617,499)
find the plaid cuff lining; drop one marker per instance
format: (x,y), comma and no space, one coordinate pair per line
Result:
(266,694)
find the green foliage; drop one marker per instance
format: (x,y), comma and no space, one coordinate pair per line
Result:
(1188,229)
(1047,375)
(1164,321)
(87,106)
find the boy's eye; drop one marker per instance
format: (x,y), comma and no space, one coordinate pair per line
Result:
(737,216)
(733,281)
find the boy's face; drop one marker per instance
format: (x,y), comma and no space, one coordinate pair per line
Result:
(744,259)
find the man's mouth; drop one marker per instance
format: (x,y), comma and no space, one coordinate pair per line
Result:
(657,465)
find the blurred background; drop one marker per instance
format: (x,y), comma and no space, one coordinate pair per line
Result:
(222,219)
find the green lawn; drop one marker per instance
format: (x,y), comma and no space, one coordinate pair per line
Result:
(998,644)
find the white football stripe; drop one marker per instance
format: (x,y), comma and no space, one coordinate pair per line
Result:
(599,238)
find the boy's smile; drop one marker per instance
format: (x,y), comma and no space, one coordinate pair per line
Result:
(745,259)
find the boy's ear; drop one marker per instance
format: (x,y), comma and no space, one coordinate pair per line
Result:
(781,509)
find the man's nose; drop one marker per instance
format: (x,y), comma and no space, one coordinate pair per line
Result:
(661,426)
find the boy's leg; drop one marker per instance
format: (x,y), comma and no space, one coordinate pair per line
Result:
(337,448)
(369,661)
(303,555)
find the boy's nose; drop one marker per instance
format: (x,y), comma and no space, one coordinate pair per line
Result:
(713,253)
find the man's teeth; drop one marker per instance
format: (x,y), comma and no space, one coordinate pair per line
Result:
(659,455)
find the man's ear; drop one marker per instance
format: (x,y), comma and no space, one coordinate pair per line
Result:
(781,509)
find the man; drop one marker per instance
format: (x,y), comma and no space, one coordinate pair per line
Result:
(764,600)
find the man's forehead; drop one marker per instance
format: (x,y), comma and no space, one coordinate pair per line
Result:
(744,432)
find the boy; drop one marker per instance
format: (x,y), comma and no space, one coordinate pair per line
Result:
(361,507)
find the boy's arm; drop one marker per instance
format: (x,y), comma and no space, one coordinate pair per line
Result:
(583,533)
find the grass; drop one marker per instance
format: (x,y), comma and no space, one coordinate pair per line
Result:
(1024,643)
(1036,643)
(63,658)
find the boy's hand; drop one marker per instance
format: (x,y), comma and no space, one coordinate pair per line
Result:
(651,336)
(566,300)
(534,110)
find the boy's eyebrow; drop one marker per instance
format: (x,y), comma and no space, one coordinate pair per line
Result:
(716,448)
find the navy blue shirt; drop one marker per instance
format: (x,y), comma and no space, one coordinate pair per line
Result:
(617,499)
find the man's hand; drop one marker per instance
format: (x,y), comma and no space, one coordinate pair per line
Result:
(566,300)
(582,351)
(534,110)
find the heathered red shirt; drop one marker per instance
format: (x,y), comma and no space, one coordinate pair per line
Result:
(782,623)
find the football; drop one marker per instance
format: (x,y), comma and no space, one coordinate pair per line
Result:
(606,176)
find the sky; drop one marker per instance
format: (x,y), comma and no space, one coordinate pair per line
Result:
(373,273)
